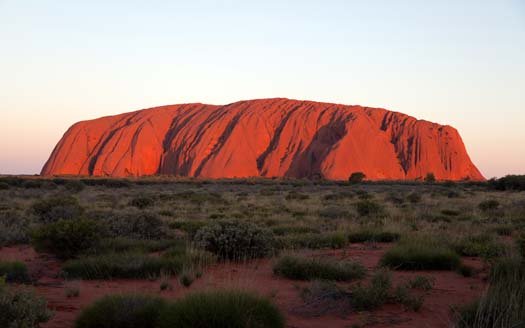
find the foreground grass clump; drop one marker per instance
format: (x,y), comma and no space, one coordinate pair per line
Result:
(20,307)
(369,208)
(123,244)
(121,266)
(301,268)
(14,271)
(418,253)
(231,240)
(122,311)
(67,238)
(375,294)
(218,309)
(503,304)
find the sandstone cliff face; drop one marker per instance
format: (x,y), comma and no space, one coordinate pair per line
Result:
(268,138)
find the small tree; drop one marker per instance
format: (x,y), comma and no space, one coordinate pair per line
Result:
(430,178)
(357,177)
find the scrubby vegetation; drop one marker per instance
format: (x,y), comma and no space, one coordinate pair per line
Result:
(167,231)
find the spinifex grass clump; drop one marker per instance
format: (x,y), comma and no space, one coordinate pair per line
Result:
(503,304)
(421,253)
(56,208)
(221,309)
(336,239)
(301,268)
(483,245)
(14,271)
(121,266)
(122,311)
(231,240)
(14,228)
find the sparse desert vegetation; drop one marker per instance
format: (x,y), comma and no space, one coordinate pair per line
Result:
(260,253)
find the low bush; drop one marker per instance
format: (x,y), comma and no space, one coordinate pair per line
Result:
(294,195)
(339,196)
(217,309)
(334,240)
(421,282)
(14,271)
(122,311)
(521,245)
(123,244)
(373,235)
(67,238)
(301,268)
(14,228)
(4,186)
(421,254)
(414,197)
(357,177)
(121,266)
(509,182)
(57,208)
(369,208)
(231,240)
(20,307)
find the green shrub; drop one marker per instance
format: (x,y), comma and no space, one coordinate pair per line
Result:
(364,298)
(368,208)
(14,271)
(300,268)
(420,254)
(14,228)
(142,202)
(236,240)
(56,208)
(67,238)
(482,245)
(121,266)
(135,225)
(372,235)
(218,309)
(4,186)
(122,311)
(356,177)
(20,307)
(339,196)
(403,296)
(334,240)
(509,182)
(421,282)
(488,205)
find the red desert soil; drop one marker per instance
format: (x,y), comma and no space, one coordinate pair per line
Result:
(262,138)
(450,289)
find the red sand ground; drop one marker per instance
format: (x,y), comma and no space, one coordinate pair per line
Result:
(263,138)
(450,289)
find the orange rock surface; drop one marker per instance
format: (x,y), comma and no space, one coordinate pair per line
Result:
(262,138)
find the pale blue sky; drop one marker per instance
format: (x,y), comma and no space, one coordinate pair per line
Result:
(454,62)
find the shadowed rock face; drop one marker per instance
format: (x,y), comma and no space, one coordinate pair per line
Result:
(268,138)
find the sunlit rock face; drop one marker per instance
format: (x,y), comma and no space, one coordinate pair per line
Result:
(262,138)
